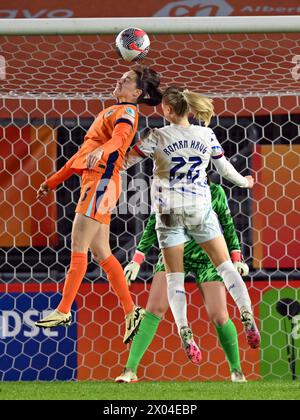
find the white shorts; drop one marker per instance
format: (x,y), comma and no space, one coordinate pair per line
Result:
(176,229)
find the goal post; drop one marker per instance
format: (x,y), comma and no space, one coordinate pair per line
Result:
(153,25)
(56,76)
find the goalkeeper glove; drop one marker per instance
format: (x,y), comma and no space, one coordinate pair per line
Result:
(239,263)
(131,270)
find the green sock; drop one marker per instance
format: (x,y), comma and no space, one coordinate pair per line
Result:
(142,340)
(229,341)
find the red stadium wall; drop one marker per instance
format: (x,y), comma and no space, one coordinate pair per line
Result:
(27,157)
(276,232)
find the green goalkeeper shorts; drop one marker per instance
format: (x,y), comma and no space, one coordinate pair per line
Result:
(203,274)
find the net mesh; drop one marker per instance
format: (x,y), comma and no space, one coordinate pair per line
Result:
(52,90)
(88,65)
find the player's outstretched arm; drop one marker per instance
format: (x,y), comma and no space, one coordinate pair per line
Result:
(149,237)
(224,167)
(229,232)
(226,170)
(145,244)
(144,148)
(42,191)
(57,178)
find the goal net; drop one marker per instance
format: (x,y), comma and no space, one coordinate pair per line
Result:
(52,87)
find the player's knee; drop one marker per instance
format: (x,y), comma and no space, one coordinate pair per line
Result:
(157,309)
(99,255)
(78,246)
(219,318)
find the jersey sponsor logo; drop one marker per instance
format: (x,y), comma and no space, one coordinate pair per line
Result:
(109,113)
(130,112)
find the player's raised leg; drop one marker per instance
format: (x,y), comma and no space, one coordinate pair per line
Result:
(218,253)
(83,230)
(87,233)
(102,254)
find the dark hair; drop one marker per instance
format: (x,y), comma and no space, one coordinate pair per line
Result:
(148,80)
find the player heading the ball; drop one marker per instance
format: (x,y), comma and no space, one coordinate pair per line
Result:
(99,161)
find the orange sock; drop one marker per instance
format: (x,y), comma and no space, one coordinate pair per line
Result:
(73,281)
(115,275)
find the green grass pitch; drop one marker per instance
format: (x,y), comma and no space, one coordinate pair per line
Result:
(259,390)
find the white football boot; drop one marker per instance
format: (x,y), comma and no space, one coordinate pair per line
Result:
(55,319)
(237,376)
(126,377)
(191,349)
(251,330)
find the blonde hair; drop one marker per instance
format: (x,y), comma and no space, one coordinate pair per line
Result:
(184,101)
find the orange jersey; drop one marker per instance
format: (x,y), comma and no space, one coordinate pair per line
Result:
(112,131)
(105,133)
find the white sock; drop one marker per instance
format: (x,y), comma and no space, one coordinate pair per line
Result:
(177,298)
(235,286)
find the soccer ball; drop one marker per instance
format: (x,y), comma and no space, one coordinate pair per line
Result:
(132,44)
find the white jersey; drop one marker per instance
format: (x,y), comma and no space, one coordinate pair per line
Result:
(181,156)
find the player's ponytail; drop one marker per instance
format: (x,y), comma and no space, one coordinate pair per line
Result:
(201,106)
(184,101)
(148,80)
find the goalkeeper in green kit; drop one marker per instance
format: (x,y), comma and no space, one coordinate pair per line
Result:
(210,285)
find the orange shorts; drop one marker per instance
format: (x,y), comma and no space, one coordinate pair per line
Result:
(99,195)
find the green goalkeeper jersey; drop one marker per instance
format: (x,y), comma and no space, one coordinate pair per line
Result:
(193,254)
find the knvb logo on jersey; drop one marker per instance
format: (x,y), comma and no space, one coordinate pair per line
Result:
(196,8)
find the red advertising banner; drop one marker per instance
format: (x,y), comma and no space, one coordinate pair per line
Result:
(137,8)
(99,324)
